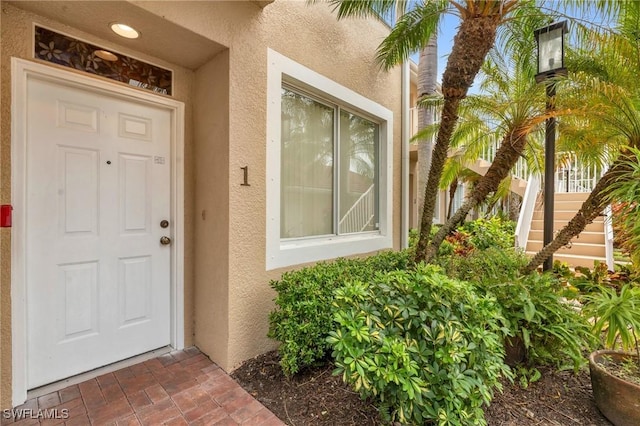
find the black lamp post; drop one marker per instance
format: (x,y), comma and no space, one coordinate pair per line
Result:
(550,41)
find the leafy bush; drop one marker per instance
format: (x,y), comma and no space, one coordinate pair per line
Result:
(552,329)
(460,244)
(480,234)
(549,325)
(589,280)
(427,347)
(303,315)
(487,266)
(624,194)
(492,232)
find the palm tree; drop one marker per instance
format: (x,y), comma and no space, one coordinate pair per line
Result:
(510,106)
(476,35)
(427,87)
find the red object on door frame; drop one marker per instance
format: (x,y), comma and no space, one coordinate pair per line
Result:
(5,215)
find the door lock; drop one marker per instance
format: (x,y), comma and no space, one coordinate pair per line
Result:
(164,223)
(164,240)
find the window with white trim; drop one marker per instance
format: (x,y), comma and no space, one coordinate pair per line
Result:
(329,168)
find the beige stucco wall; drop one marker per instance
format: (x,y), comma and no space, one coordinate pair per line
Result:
(227,294)
(211,118)
(342,51)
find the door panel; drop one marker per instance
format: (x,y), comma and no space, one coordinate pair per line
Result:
(135,194)
(79,289)
(79,197)
(98,185)
(134,281)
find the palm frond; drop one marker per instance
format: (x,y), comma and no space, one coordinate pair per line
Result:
(411,32)
(366,8)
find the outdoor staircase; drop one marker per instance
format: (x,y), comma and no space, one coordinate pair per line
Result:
(593,244)
(583,249)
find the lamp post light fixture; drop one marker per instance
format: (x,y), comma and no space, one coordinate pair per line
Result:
(550,40)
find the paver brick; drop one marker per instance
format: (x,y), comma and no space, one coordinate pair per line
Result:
(177,389)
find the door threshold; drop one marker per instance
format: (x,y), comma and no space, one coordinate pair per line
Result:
(92,374)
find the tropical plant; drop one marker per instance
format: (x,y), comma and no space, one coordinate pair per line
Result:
(550,328)
(494,232)
(616,314)
(303,315)
(428,348)
(475,37)
(627,191)
(511,106)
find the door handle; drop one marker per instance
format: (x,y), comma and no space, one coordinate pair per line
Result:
(164,240)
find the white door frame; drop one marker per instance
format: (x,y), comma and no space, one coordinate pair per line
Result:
(21,71)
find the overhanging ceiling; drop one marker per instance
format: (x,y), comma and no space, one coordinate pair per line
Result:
(160,38)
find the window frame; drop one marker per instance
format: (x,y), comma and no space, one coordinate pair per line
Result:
(336,161)
(283,72)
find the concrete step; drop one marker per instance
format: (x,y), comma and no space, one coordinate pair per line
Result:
(562,205)
(571,196)
(518,186)
(584,237)
(580,249)
(558,214)
(574,260)
(596,226)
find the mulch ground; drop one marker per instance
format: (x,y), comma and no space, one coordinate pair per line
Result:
(315,397)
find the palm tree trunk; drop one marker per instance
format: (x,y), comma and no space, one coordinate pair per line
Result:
(471,44)
(506,157)
(590,209)
(427,86)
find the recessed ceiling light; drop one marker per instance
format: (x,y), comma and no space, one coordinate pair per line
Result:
(124,30)
(106,55)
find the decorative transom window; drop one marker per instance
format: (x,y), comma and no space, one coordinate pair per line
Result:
(328,168)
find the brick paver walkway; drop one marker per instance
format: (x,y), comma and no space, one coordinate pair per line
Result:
(178,388)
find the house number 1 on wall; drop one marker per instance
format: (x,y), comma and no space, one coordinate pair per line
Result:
(245,170)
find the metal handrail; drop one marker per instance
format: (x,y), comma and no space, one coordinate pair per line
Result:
(359,216)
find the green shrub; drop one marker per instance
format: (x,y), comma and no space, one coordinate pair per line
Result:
(492,232)
(303,315)
(480,234)
(486,266)
(550,326)
(427,347)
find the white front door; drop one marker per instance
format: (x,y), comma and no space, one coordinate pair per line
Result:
(97,189)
